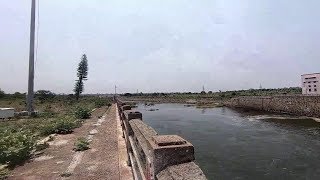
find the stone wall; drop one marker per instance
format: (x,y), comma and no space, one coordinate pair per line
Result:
(296,105)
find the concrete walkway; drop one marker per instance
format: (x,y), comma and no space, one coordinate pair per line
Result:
(101,161)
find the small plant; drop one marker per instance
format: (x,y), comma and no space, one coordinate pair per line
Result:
(81,144)
(99,103)
(15,147)
(42,146)
(61,126)
(82,113)
(67,174)
(3,172)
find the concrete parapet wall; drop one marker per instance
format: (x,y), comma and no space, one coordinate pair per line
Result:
(296,105)
(156,156)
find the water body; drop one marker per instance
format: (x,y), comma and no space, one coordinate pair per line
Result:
(241,145)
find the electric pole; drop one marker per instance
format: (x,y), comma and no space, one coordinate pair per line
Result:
(31,59)
(115,90)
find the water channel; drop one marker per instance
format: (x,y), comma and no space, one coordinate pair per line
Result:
(232,144)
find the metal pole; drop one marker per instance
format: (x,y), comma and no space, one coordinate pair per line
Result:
(31,59)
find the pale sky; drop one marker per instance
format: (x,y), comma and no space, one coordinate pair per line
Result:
(161,45)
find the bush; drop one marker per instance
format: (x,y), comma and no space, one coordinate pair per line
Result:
(3,172)
(81,144)
(15,147)
(44,95)
(60,126)
(2,93)
(99,103)
(82,113)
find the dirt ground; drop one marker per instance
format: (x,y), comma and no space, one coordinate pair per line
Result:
(60,161)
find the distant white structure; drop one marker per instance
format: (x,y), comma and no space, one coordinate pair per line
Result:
(6,113)
(310,83)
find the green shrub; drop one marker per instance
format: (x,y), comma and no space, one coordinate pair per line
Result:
(81,144)
(3,173)
(15,147)
(82,113)
(43,146)
(61,126)
(99,103)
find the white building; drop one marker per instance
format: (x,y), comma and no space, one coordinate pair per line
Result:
(310,83)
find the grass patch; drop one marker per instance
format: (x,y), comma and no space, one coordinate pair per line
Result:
(64,125)
(82,113)
(4,172)
(16,147)
(57,114)
(81,144)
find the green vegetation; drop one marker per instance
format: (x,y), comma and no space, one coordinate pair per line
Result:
(177,96)
(82,113)
(60,126)
(82,74)
(3,172)
(15,146)
(81,144)
(2,94)
(57,114)
(101,102)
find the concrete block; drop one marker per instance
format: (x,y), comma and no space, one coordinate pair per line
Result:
(132,114)
(6,113)
(170,150)
(126,107)
(182,171)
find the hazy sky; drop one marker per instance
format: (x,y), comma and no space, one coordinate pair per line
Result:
(163,46)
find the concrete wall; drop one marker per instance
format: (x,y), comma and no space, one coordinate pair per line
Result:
(296,105)
(154,156)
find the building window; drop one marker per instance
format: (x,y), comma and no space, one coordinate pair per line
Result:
(309,85)
(315,81)
(315,90)
(315,85)
(309,90)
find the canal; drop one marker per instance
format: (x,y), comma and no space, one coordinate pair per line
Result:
(239,145)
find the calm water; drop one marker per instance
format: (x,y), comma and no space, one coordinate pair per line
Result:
(234,145)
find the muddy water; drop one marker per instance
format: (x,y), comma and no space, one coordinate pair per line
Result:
(243,145)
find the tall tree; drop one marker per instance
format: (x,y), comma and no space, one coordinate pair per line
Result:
(82,74)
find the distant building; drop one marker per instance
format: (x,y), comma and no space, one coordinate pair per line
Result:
(310,83)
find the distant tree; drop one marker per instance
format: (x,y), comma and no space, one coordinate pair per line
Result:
(2,93)
(209,92)
(203,92)
(127,94)
(44,95)
(82,74)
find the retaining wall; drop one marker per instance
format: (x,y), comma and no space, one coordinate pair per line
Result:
(154,156)
(296,105)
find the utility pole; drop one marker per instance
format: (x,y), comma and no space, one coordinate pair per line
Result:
(115,90)
(31,59)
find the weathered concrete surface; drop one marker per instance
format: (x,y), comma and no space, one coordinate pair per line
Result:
(296,105)
(164,150)
(152,153)
(132,114)
(101,161)
(186,171)
(171,150)
(124,170)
